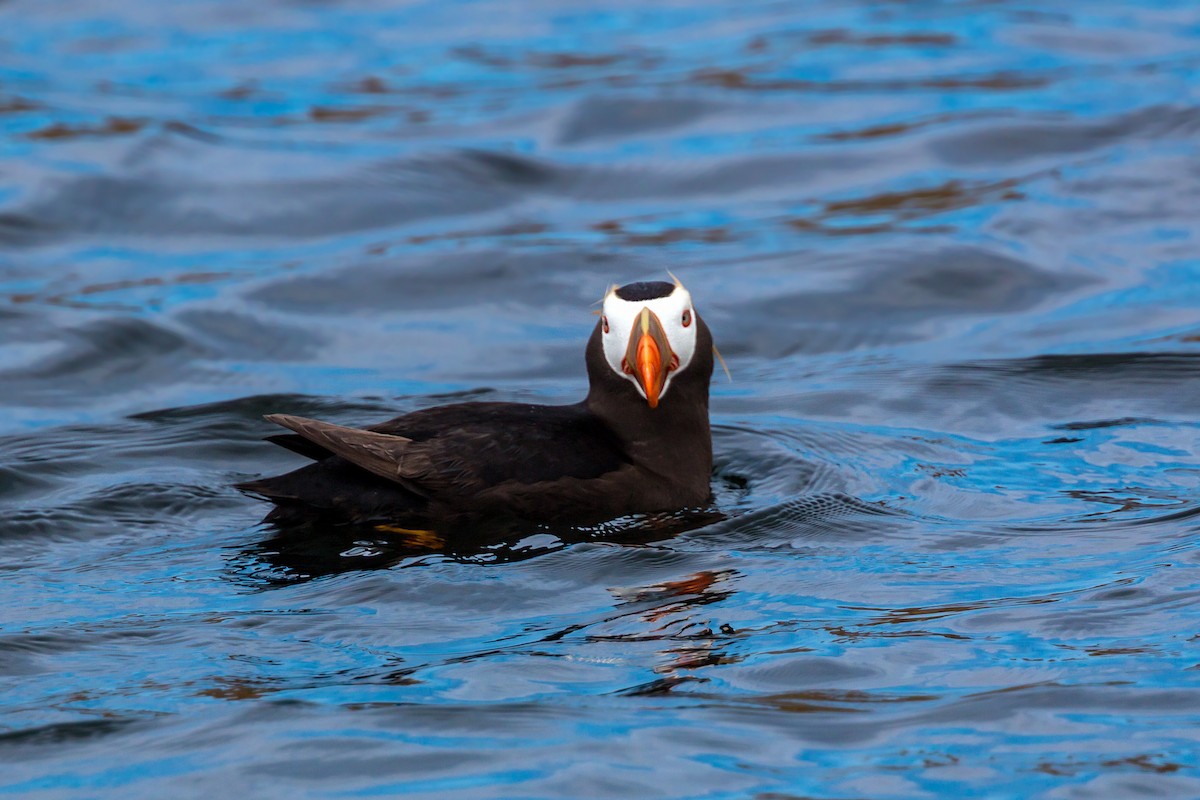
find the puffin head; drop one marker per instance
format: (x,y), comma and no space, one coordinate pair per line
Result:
(651,337)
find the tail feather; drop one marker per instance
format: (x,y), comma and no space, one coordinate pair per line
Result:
(389,456)
(337,485)
(350,486)
(271,488)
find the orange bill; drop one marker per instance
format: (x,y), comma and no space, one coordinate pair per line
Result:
(650,354)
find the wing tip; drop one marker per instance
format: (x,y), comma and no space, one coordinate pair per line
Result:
(289,421)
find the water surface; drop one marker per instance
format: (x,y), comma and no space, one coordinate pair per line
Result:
(948,249)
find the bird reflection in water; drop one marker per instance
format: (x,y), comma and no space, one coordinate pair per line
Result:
(669,609)
(305,546)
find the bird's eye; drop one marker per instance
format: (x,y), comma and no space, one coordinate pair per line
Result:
(687,317)
(604,323)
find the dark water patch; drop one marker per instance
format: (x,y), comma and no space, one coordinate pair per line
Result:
(22,229)
(121,509)
(15,482)
(1058,386)
(812,516)
(1136,513)
(147,503)
(387,195)
(1165,367)
(1103,423)
(75,448)
(505,168)
(253,408)
(957,281)
(602,117)
(249,337)
(106,353)
(992,711)
(10,315)
(62,734)
(60,642)
(420,283)
(752,469)
(103,476)
(1008,142)
(998,706)
(381,196)
(303,545)
(894,296)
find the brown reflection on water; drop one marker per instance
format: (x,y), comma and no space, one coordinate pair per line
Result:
(915,203)
(741,80)
(73,298)
(715,234)
(841,36)
(901,207)
(504,231)
(348,113)
(694,644)
(835,700)
(919,614)
(696,584)
(1126,499)
(887,129)
(113,126)
(824,229)
(17,105)
(555,60)
(237,689)
(844,634)
(371,84)
(1146,762)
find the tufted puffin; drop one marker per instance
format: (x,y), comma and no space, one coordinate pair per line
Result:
(639,442)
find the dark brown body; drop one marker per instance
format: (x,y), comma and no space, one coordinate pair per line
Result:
(607,456)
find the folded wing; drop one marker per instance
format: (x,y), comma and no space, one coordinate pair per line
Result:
(389,456)
(453,455)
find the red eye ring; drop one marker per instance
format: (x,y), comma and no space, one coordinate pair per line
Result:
(687,317)
(604,323)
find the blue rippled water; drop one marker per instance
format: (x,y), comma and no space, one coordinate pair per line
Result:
(949,249)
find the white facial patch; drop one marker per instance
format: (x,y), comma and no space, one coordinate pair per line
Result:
(673,311)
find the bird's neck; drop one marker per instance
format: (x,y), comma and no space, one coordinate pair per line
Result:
(673,440)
